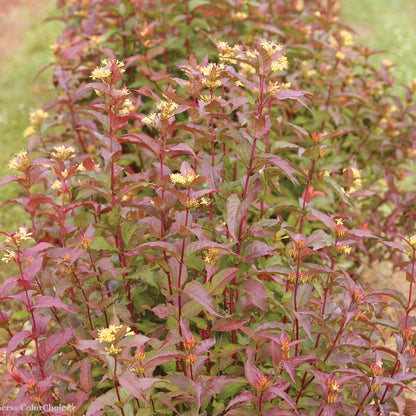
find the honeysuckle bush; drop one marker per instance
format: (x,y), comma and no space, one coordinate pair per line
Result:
(203,199)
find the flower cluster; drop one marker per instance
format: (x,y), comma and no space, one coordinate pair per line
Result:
(227,52)
(262,385)
(278,64)
(109,335)
(340,229)
(19,161)
(343,249)
(333,388)
(37,117)
(285,348)
(19,237)
(103,72)
(9,256)
(140,356)
(150,119)
(166,109)
(127,108)
(212,73)
(63,153)
(377,369)
(210,256)
(186,181)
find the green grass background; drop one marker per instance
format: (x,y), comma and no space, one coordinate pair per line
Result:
(387,25)
(18,96)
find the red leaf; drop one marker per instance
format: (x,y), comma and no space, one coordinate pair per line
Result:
(7,179)
(257,293)
(252,373)
(217,383)
(219,280)
(138,387)
(85,375)
(181,149)
(45,301)
(284,165)
(33,268)
(54,342)
(164,357)
(235,213)
(198,293)
(258,249)
(107,399)
(245,396)
(15,341)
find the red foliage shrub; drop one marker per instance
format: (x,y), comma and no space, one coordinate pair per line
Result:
(203,196)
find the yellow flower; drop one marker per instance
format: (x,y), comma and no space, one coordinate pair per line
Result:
(63,153)
(21,235)
(189,344)
(166,109)
(112,350)
(186,180)
(333,388)
(104,72)
(37,116)
(340,55)
(192,203)
(9,256)
(346,38)
(210,256)
(247,69)
(356,173)
(239,16)
(29,131)
(57,186)
(100,73)
(205,201)
(212,74)
(208,98)
(127,108)
(227,53)
(19,161)
(280,64)
(109,334)
(70,408)
(191,359)
(270,46)
(412,241)
(299,5)
(150,119)
(343,249)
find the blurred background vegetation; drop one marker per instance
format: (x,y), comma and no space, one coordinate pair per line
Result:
(27,52)
(388,26)
(385,25)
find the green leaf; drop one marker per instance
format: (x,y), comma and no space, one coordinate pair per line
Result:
(100,243)
(114,216)
(193,4)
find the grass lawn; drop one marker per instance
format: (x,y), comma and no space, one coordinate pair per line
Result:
(387,25)
(17,90)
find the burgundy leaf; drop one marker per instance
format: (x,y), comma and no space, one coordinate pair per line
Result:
(198,293)
(245,396)
(54,342)
(85,376)
(137,386)
(15,341)
(45,301)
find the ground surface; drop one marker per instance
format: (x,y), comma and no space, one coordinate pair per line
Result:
(15,18)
